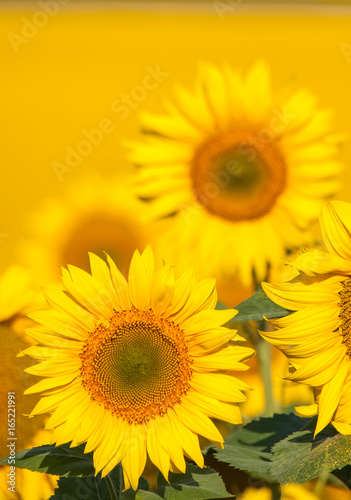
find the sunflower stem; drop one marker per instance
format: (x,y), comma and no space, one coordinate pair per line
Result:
(321,482)
(115,487)
(276,493)
(264,354)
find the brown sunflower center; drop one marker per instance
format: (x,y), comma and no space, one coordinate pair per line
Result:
(237,176)
(345,314)
(137,366)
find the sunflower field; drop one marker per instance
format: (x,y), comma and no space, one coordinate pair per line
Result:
(175,239)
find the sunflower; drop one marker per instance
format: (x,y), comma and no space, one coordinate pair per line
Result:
(245,173)
(317,337)
(94,215)
(17,293)
(285,393)
(18,296)
(263,493)
(136,368)
(292,492)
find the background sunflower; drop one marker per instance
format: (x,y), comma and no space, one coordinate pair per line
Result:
(246,172)
(57,87)
(96,215)
(19,296)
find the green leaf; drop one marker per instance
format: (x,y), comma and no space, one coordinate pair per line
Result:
(115,480)
(194,484)
(299,457)
(139,495)
(59,460)
(76,488)
(197,484)
(256,463)
(257,306)
(249,448)
(96,487)
(343,475)
(143,487)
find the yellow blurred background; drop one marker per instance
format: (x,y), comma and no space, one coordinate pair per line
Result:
(66,67)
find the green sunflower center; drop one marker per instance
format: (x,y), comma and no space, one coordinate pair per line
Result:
(345,314)
(237,177)
(138,366)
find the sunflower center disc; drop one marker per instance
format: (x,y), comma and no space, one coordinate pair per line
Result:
(138,366)
(345,314)
(237,177)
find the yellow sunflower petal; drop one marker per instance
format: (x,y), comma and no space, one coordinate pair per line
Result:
(113,430)
(63,324)
(336,228)
(210,340)
(225,359)
(157,454)
(162,289)
(120,285)
(188,438)
(197,422)
(220,386)
(203,296)
(139,286)
(134,460)
(320,368)
(214,408)
(172,446)
(83,287)
(183,287)
(316,338)
(342,428)
(295,296)
(307,411)
(50,383)
(199,321)
(321,262)
(258,102)
(330,397)
(217,90)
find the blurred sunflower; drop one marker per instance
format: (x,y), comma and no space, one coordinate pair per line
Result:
(17,294)
(136,368)
(317,337)
(245,173)
(295,492)
(256,494)
(17,297)
(96,215)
